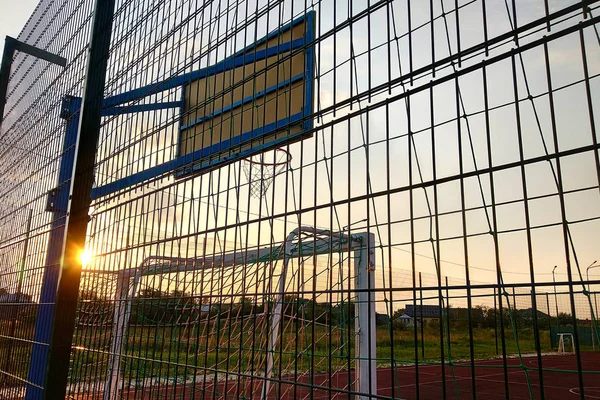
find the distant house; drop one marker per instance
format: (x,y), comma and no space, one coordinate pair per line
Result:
(425,311)
(461,313)
(419,313)
(432,313)
(406,320)
(204,308)
(529,312)
(381,319)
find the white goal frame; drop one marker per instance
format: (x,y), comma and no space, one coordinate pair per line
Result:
(561,343)
(361,244)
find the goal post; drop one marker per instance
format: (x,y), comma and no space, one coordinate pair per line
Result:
(564,341)
(319,242)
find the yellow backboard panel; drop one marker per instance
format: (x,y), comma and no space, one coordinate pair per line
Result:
(253,101)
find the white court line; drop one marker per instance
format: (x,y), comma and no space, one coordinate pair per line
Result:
(478,377)
(575,391)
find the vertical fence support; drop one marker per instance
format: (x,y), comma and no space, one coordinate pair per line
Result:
(62,319)
(595,311)
(515,310)
(548,310)
(7,57)
(366,357)
(57,204)
(422,322)
(447,317)
(496,320)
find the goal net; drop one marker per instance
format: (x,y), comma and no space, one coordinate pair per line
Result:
(249,320)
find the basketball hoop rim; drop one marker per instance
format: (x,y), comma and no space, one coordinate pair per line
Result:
(273,164)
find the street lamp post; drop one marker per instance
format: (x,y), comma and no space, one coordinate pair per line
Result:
(587,272)
(555,298)
(587,277)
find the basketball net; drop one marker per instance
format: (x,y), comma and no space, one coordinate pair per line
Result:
(261,170)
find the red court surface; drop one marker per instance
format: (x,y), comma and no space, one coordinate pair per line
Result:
(558,383)
(489,379)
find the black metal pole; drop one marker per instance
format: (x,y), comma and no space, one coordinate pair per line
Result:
(447,319)
(516,311)
(549,318)
(496,320)
(422,319)
(7,57)
(80,193)
(596,311)
(37,53)
(555,298)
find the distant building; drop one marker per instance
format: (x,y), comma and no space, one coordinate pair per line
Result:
(406,320)
(529,312)
(425,311)
(419,312)
(205,308)
(381,319)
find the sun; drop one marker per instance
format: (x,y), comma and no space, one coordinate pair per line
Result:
(85,257)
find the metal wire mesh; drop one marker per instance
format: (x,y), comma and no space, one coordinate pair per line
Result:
(430,236)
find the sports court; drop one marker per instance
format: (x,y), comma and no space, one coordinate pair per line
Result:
(489,382)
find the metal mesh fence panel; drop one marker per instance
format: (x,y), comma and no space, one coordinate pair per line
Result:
(419,222)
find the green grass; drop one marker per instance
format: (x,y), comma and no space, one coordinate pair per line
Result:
(168,352)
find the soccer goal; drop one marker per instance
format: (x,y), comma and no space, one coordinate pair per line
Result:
(565,343)
(264,325)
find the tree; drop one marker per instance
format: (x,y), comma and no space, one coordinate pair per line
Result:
(397,323)
(564,319)
(245,306)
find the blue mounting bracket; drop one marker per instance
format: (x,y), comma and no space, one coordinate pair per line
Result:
(193,162)
(58,202)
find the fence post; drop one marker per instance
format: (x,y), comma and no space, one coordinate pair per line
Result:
(515,310)
(496,320)
(549,318)
(422,318)
(595,320)
(63,325)
(57,204)
(7,57)
(447,317)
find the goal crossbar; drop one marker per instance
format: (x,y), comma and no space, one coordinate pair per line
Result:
(320,242)
(339,242)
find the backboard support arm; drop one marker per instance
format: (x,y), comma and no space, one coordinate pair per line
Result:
(12,45)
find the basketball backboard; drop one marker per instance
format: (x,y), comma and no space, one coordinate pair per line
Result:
(258,99)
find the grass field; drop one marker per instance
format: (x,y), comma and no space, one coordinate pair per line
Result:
(217,348)
(168,352)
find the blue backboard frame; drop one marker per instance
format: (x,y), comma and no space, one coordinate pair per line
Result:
(192,163)
(302,117)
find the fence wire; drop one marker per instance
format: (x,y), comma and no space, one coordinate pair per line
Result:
(421,222)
